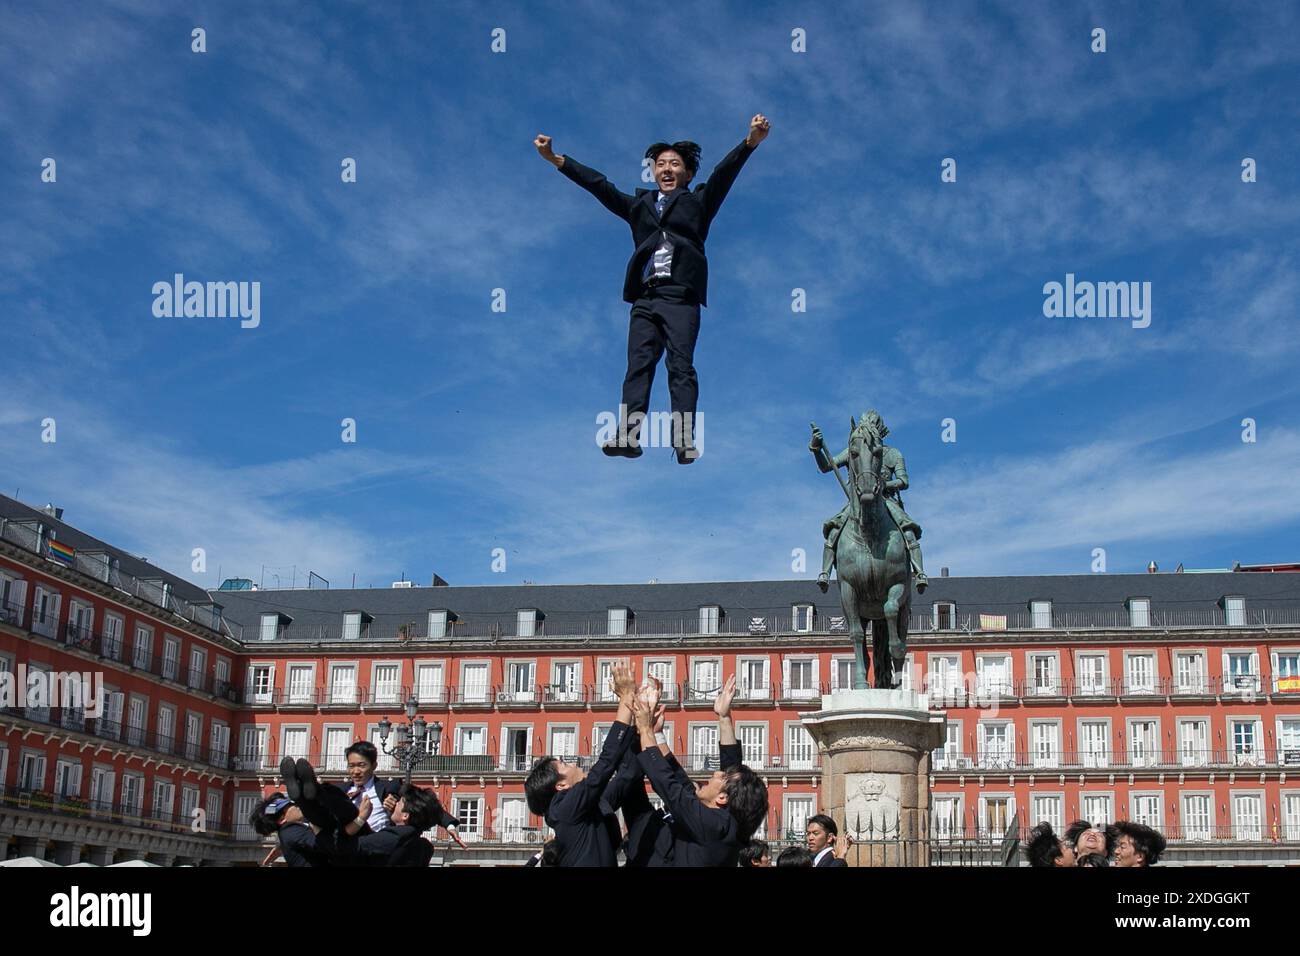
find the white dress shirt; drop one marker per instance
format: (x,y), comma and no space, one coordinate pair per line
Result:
(378,818)
(818,858)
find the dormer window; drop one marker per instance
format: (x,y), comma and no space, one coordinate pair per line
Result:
(710,617)
(1234,611)
(273,625)
(945,616)
(438,621)
(1040,613)
(526,622)
(1139,612)
(616,620)
(802,618)
(356,625)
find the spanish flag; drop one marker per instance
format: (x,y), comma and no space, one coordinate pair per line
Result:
(1288,683)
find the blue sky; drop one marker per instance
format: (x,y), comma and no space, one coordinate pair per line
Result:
(476,429)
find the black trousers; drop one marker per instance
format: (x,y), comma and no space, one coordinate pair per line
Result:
(331,810)
(664,318)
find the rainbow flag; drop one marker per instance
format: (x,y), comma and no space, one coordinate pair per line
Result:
(1288,683)
(59,552)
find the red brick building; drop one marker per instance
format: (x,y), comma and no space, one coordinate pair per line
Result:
(1168,698)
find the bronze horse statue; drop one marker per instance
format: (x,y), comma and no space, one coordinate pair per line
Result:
(873,569)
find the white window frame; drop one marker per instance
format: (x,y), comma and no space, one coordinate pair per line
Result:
(998,758)
(1201,753)
(395,699)
(1087,759)
(1234,610)
(698,692)
(1189,831)
(300,695)
(1200,680)
(1032,687)
(1239,826)
(744,687)
(1148,756)
(462,688)
(1139,612)
(526,619)
(669,692)
(558,690)
(439,623)
(1052,758)
(439,689)
(803,617)
(616,619)
(1040,615)
(710,619)
(1136,686)
(988,687)
(801,753)
(793,693)
(340,694)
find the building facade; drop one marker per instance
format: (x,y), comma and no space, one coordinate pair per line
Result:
(1172,699)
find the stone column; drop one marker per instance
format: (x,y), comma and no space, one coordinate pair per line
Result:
(875,747)
(66,852)
(101,855)
(32,846)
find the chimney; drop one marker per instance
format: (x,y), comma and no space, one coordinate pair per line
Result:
(437,582)
(1152,568)
(56,513)
(943,572)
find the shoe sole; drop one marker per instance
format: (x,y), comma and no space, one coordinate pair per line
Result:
(306,779)
(289,774)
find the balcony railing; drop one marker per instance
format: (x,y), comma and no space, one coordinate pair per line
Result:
(106,728)
(101,811)
(1176,759)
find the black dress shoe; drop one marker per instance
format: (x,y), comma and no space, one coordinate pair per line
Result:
(614,450)
(306,779)
(687,454)
(289,774)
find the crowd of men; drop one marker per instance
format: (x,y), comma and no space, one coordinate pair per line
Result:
(1117,844)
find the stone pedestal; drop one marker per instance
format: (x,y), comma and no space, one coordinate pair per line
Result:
(875,747)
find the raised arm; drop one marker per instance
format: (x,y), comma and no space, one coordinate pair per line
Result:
(724,174)
(589,792)
(729,752)
(619,203)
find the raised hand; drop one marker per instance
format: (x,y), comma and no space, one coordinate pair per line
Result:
(543,144)
(643,715)
(390,803)
(659,718)
(758,130)
(842,844)
(817,440)
(624,683)
(651,691)
(722,703)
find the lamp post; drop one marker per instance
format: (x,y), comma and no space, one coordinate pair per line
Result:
(413,741)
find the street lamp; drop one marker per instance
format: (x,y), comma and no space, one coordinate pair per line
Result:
(413,740)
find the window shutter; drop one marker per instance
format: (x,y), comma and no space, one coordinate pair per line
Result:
(18,594)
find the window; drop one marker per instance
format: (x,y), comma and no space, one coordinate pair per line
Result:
(1234,611)
(337,740)
(1139,612)
(526,622)
(13,598)
(112,643)
(198,667)
(1047,809)
(45,611)
(1290,816)
(356,625)
(1244,743)
(133,794)
(1146,810)
(31,772)
(1094,743)
(566,681)
(1096,808)
(1045,743)
(244,803)
(945,676)
(295,742)
(617,621)
(193,735)
(1044,671)
(995,815)
(800,678)
(270,628)
(662,671)
(753,678)
(343,683)
(469,811)
(474,683)
(222,676)
(706,679)
(252,749)
(300,681)
(1240,671)
(945,616)
(1194,743)
(1092,673)
(996,749)
(1247,816)
(519,677)
(1288,742)
(993,675)
(842,673)
(142,651)
(1141,674)
(1041,614)
(517,744)
(753,745)
(438,624)
(1286,672)
(189,803)
(514,819)
(948,757)
(605,681)
(428,682)
(219,744)
(171,657)
(800,751)
(802,616)
(704,747)
(1189,672)
(385,678)
(137,716)
(710,615)
(564,742)
(471,740)
(946,816)
(386,760)
(1198,816)
(1143,743)
(797,811)
(260,686)
(101,788)
(67,779)
(166,728)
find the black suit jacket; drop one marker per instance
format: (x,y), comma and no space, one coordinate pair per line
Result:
(702,836)
(392,787)
(830,860)
(298,846)
(685,223)
(580,815)
(391,846)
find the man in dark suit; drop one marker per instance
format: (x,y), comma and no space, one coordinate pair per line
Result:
(571,799)
(713,820)
(383,792)
(827,845)
(667,276)
(295,838)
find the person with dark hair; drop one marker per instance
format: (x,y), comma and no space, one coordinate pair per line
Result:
(341,824)
(667,276)
(297,840)
(755,854)
(383,792)
(711,821)
(569,798)
(1045,848)
(825,842)
(795,856)
(1091,859)
(1138,844)
(546,856)
(1086,838)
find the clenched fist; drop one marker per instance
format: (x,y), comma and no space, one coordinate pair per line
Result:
(759,127)
(543,144)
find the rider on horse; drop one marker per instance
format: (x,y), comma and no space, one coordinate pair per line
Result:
(871,431)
